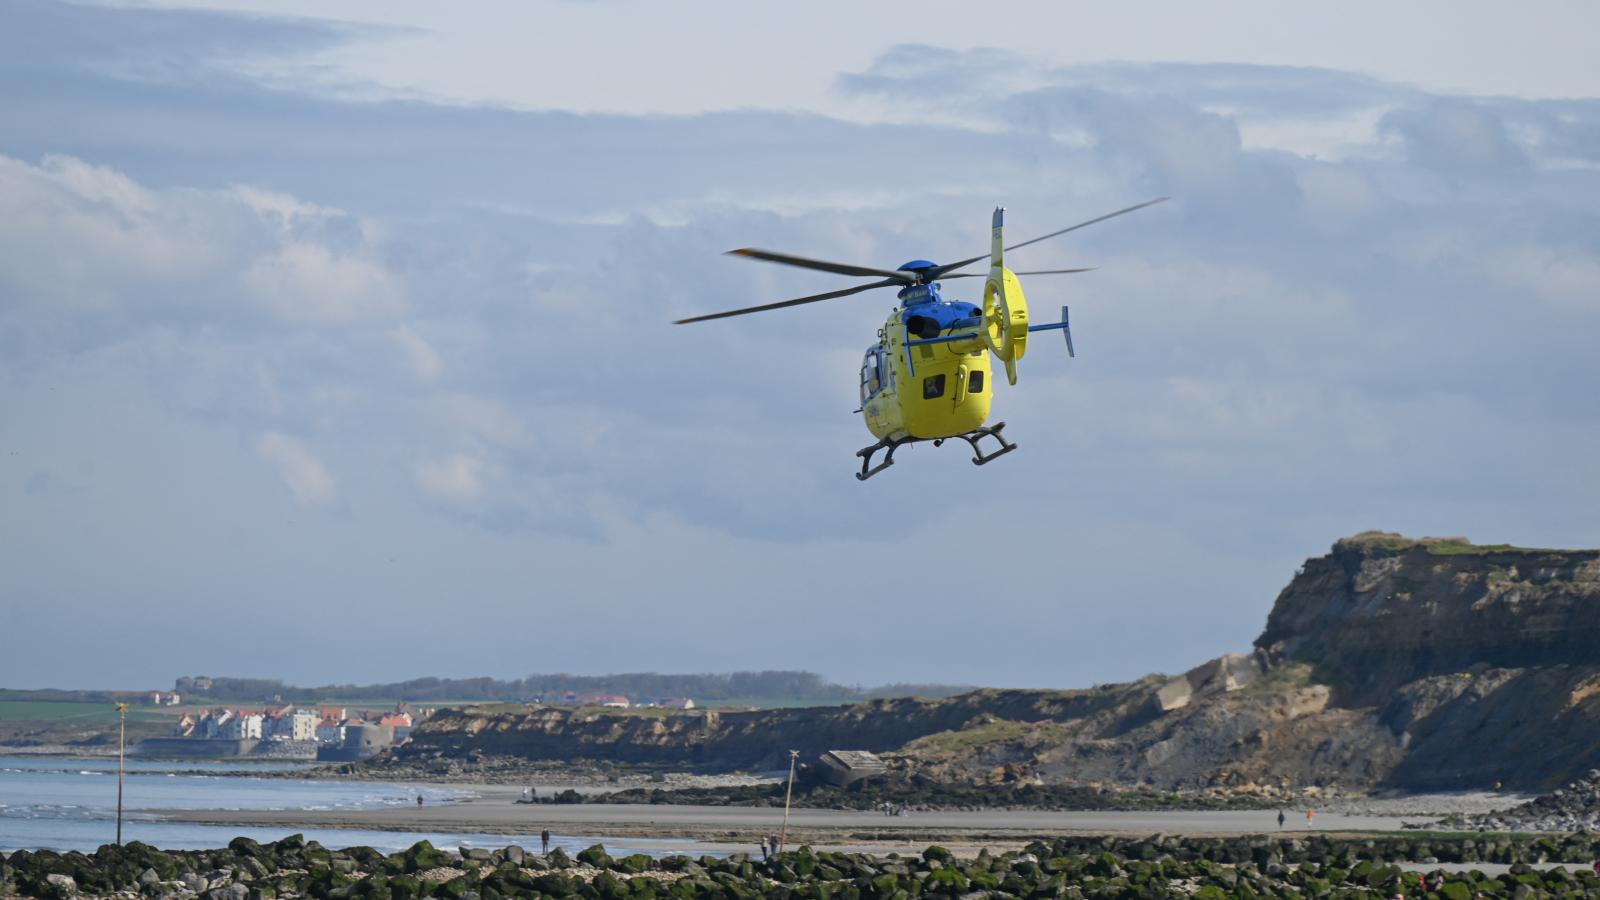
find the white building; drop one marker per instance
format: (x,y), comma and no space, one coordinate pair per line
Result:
(305,725)
(295,725)
(242,728)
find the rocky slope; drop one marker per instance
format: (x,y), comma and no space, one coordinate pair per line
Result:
(1419,664)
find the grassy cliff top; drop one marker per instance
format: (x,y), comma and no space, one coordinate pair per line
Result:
(1368,541)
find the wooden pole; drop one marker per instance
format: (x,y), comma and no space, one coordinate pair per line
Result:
(788,796)
(122,739)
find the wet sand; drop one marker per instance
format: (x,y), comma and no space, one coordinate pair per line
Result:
(494,811)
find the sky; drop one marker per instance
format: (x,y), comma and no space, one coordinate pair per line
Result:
(336,342)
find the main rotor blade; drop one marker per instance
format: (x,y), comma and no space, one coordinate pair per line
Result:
(937,273)
(905,278)
(1039,272)
(795,302)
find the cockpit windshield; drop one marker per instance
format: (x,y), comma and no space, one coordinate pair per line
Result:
(872,373)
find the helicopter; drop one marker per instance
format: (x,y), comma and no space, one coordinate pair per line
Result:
(928,376)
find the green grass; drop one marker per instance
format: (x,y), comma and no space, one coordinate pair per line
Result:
(63,711)
(968,738)
(771,703)
(1455,548)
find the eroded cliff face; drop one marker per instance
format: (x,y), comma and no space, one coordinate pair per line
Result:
(721,739)
(1381,611)
(1421,664)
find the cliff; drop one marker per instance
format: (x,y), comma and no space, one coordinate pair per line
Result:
(729,739)
(1382,610)
(1390,662)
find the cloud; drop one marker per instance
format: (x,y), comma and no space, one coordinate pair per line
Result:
(80,239)
(305,476)
(425,361)
(456,479)
(304,282)
(1455,135)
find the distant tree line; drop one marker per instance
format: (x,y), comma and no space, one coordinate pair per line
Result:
(776,686)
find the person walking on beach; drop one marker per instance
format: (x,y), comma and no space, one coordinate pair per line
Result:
(419,801)
(544,841)
(1281,817)
(1310,814)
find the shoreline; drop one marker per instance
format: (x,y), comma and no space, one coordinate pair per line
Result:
(492,810)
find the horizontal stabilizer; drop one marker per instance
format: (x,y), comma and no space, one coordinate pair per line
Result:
(1063,327)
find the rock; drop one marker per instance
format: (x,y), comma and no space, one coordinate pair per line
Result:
(595,856)
(149,877)
(422,856)
(1228,672)
(61,885)
(1174,694)
(194,882)
(229,892)
(514,855)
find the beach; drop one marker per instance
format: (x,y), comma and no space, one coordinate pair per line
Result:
(494,810)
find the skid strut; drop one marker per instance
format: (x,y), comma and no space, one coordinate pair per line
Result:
(867,468)
(972,438)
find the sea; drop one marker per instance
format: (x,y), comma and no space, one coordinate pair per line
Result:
(63,803)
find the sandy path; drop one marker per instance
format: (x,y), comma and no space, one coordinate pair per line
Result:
(493,812)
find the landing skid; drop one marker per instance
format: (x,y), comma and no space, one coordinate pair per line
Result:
(972,437)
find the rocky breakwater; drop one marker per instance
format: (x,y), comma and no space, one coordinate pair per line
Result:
(1082,866)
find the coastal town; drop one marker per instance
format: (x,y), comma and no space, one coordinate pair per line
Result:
(324,725)
(322,731)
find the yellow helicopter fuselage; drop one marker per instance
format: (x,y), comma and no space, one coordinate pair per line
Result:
(943,391)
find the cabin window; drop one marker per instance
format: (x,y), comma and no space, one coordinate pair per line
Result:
(871,374)
(932,387)
(975,383)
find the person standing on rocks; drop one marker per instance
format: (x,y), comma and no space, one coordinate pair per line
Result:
(544,841)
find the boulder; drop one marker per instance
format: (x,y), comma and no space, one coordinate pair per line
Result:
(1175,694)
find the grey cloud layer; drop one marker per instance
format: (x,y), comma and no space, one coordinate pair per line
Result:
(371,361)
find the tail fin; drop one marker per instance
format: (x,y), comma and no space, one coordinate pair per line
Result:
(997,246)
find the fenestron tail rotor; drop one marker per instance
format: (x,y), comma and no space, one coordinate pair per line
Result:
(904,278)
(1005,309)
